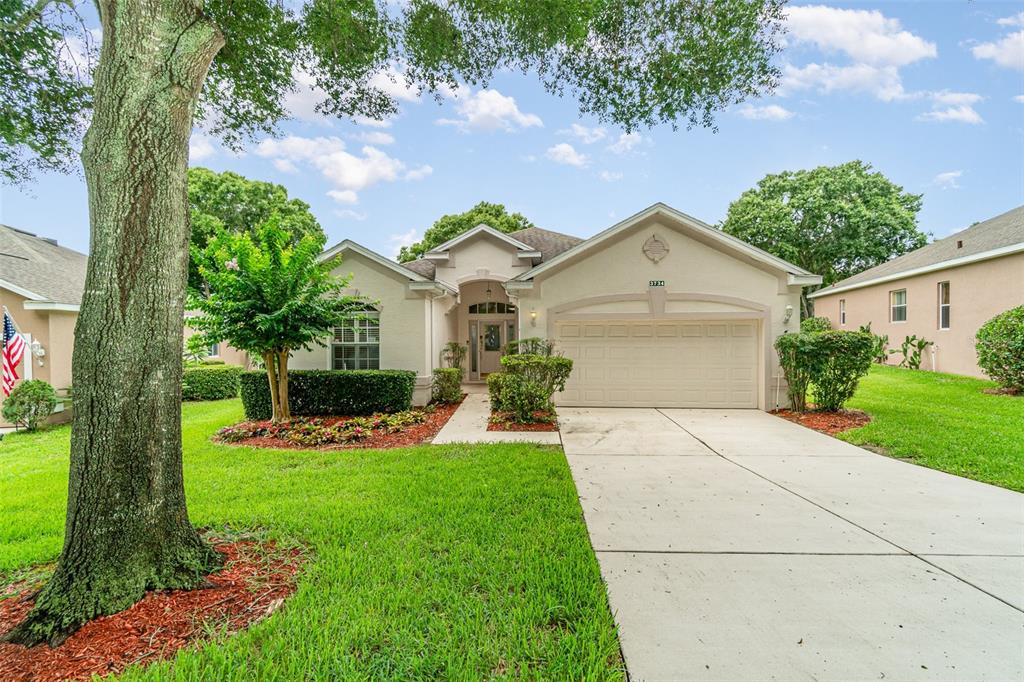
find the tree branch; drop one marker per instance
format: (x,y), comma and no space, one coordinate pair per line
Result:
(33,13)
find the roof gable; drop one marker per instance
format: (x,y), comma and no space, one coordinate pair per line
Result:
(39,269)
(349,245)
(440,252)
(707,233)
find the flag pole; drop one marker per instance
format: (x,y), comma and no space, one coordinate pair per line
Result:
(13,321)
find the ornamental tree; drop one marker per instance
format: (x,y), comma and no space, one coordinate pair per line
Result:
(834,221)
(269,296)
(164,67)
(229,201)
(450,226)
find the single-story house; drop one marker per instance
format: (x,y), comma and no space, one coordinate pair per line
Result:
(41,283)
(942,292)
(660,309)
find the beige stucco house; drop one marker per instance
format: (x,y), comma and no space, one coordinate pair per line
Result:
(660,309)
(942,292)
(41,283)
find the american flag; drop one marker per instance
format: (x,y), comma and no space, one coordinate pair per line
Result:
(13,349)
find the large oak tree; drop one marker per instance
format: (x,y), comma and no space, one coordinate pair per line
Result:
(165,65)
(834,221)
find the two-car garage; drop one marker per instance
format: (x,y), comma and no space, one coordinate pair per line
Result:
(661,363)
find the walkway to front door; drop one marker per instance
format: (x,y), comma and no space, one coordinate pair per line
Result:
(740,546)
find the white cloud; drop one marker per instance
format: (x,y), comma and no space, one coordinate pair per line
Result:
(1015,20)
(348,173)
(883,82)
(584,134)
(1007,52)
(610,176)
(285,166)
(955,98)
(866,36)
(419,173)
(199,147)
(397,241)
(626,143)
(349,214)
(767,112)
(948,180)
(490,110)
(960,114)
(565,153)
(301,102)
(1019,98)
(392,81)
(375,137)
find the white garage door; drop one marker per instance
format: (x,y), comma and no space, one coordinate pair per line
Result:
(660,363)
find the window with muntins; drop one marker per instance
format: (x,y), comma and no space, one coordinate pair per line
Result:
(492,308)
(356,344)
(898,305)
(943,305)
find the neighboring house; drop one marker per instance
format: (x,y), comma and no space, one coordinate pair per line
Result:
(942,292)
(41,283)
(659,310)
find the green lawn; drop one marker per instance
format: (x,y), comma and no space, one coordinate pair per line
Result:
(943,421)
(429,562)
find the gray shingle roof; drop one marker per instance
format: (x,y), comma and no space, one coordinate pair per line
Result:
(550,244)
(1004,230)
(50,272)
(421,266)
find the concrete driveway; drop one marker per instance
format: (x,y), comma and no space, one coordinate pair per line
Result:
(739,546)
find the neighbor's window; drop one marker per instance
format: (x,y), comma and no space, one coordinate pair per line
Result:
(943,305)
(898,305)
(357,343)
(214,350)
(842,311)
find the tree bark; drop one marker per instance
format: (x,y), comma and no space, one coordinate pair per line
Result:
(127,527)
(269,359)
(282,385)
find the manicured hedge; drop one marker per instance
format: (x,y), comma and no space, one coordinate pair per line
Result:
(832,361)
(1000,346)
(527,384)
(315,392)
(210,382)
(447,385)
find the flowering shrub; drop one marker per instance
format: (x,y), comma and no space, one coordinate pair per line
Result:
(317,431)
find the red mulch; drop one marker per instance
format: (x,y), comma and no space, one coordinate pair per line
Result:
(827,422)
(413,435)
(503,421)
(255,581)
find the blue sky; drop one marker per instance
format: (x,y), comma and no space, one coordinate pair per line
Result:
(929,93)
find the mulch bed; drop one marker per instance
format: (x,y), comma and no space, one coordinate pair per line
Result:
(1003,391)
(254,583)
(827,422)
(413,435)
(504,421)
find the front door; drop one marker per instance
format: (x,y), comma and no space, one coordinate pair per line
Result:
(487,341)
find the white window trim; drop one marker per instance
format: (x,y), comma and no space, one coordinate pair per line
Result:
(356,342)
(941,305)
(893,306)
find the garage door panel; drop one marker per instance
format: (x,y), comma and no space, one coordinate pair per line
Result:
(669,364)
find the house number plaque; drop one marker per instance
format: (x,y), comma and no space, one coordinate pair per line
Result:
(656,283)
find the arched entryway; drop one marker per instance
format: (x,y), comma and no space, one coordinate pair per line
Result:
(488,321)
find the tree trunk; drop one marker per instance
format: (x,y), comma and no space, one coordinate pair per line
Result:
(127,527)
(269,359)
(282,386)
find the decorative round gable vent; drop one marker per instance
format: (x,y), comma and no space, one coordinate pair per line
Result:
(655,248)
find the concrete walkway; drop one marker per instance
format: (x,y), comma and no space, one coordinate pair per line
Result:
(469,424)
(739,546)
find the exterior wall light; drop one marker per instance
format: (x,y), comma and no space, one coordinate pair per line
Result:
(533,318)
(789,314)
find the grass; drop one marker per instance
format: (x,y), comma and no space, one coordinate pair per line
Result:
(451,562)
(945,422)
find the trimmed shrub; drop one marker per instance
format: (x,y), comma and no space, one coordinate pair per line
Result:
(842,358)
(30,404)
(496,384)
(832,361)
(1000,347)
(447,385)
(316,392)
(531,383)
(533,345)
(210,382)
(816,324)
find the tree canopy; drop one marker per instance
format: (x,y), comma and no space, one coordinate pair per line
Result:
(834,221)
(230,202)
(452,225)
(268,294)
(626,62)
